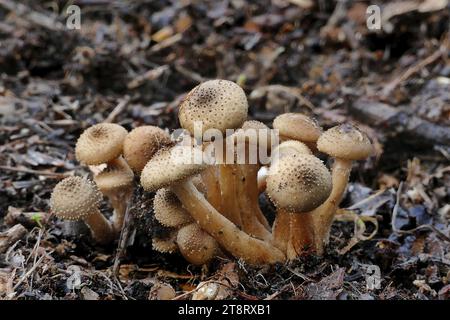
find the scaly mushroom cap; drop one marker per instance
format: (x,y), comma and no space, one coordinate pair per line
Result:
(219,104)
(171,165)
(290,147)
(167,244)
(115,176)
(197,246)
(297,126)
(345,142)
(100,143)
(168,209)
(142,143)
(74,198)
(298,183)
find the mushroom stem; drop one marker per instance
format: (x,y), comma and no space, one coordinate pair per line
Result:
(101,229)
(227,234)
(249,208)
(210,177)
(301,235)
(119,201)
(324,215)
(251,185)
(281,229)
(229,196)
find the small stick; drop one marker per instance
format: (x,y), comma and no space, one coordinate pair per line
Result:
(36,172)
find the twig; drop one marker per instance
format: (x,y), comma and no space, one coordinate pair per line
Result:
(124,234)
(29,272)
(412,70)
(117,110)
(36,172)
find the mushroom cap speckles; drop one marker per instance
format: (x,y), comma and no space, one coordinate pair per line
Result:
(115,176)
(197,246)
(290,147)
(219,104)
(297,126)
(100,143)
(345,142)
(74,198)
(167,244)
(142,143)
(298,183)
(171,165)
(168,209)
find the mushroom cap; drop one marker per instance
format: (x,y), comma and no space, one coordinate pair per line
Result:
(297,126)
(74,198)
(100,143)
(345,141)
(290,147)
(219,104)
(166,244)
(116,175)
(168,209)
(171,165)
(196,246)
(298,183)
(142,143)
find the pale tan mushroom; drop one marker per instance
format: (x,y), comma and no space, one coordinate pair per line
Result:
(168,209)
(297,184)
(76,198)
(346,143)
(196,246)
(227,234)
(297,126)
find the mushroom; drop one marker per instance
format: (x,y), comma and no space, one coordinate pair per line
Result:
(220,105)
(116,183)
(141,144)
(167,243)
(281,228)
(346,143)
(297,126)
(76,198)
(103,143)
(196,246)
(178,178)
(297,184)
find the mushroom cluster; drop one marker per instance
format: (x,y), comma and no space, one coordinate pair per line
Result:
(207,190)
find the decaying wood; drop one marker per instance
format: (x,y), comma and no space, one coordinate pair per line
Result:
(399,120)
(10,236)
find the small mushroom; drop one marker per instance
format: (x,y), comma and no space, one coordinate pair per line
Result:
(196,246)
(167,243)
(297,126)
(103,143)
(155,176)
(116,183)
(345,143)
(141,144)
(76,198)
(297,184)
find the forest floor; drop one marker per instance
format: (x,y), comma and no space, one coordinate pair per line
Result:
(132,62)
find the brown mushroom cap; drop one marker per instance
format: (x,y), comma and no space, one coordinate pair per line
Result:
(297,126)
(74,198)
(298,183)
(197,246)
(167,244)
(219,104)
(100,143)
(290,147)
(142,143)
(115,176)
(168,209)
(171,165)
(345,142)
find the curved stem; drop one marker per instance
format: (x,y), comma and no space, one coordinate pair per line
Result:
(119,201)
(281,230)
(324,215)
(101,229)
(227,234)
(210,177)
